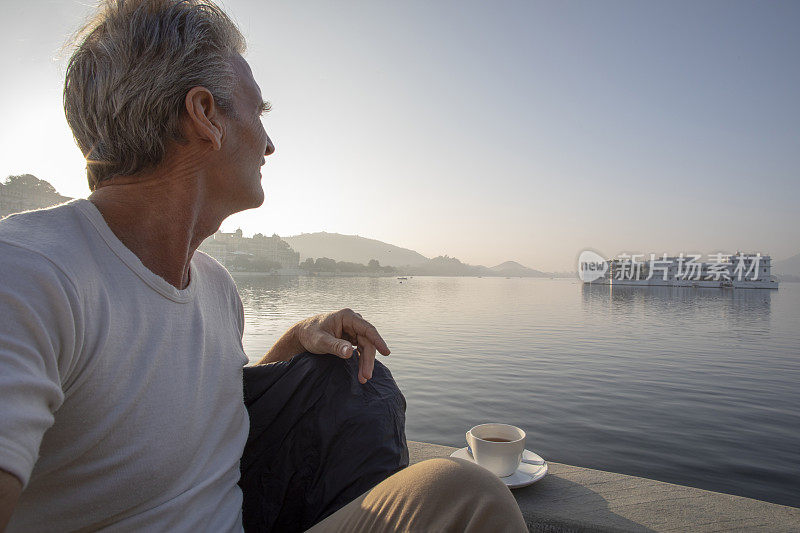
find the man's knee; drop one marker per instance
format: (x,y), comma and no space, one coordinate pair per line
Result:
(449,495)
(447,475)
(320,372)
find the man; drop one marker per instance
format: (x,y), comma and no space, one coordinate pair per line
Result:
(120,345)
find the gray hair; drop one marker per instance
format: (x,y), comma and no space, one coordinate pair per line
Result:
(128,78)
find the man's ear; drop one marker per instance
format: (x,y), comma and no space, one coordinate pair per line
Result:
(203,117)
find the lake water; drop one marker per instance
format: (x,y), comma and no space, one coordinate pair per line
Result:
(697,387)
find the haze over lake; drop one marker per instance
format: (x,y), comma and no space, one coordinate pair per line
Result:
(691,386)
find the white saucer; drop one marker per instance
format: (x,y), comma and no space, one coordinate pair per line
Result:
(530,470)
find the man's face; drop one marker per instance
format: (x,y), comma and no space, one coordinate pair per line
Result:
(245,144)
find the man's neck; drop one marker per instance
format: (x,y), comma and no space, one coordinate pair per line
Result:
(162,217)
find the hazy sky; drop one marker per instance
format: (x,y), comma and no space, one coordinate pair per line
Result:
(488,131)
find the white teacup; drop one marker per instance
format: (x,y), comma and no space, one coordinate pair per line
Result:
(497,447)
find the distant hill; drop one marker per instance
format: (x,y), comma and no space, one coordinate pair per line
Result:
(444,265)
(450,266)
(787,267)
(353,248)
(512,269)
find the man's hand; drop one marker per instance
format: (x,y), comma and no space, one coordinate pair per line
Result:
(333,333)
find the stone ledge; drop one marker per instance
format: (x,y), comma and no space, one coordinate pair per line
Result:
(571,498)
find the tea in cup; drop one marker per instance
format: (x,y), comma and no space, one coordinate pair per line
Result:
(497,447)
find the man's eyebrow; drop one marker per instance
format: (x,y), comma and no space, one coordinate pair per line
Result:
(265,106)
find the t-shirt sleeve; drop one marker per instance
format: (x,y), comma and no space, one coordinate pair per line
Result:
(39,327)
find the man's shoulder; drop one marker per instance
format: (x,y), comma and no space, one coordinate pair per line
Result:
(49,232)
(58,244)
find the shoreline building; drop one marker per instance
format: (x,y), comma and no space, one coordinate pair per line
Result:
(250,254)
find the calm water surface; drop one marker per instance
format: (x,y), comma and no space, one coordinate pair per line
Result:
(692,386)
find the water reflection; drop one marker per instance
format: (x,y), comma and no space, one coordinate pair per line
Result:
(263,292)
(738,307)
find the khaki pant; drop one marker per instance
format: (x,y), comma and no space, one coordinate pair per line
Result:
(438,495)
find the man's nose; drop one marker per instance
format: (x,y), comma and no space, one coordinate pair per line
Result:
(270,146)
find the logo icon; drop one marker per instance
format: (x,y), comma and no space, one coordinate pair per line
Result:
(591,266)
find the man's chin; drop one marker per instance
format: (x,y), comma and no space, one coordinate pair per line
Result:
(260,197)
(257,199)
(252,202)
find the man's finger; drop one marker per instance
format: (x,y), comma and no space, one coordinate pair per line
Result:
(366,361)
(340,347)
(361,327)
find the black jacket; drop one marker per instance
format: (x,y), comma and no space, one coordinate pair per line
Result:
(318,439)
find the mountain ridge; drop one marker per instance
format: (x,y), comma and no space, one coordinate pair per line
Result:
(512,268)
(355,248)
(352,248)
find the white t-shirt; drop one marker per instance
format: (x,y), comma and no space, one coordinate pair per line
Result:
(120,395)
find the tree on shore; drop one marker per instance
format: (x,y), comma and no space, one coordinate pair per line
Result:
(30,183)
(325,264)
